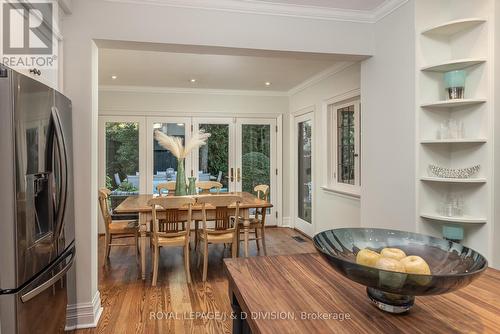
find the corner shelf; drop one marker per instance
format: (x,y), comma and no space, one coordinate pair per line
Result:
(452,180)
(453,103)
(454,141)
(451,65)
(456,220)
(452,27)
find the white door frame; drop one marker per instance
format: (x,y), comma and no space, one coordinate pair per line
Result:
(271,219)
(298,223)
(149,145)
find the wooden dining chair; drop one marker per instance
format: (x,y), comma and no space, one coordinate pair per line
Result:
(206,186)
(116,229)
(258,222)
(225,229)
(174,230)
(168,186)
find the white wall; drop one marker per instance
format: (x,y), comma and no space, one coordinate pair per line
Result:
(388,125)
(496,136)
(167,102)
(93,19)
(331,210)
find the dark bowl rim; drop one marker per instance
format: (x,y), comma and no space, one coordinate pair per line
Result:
(480,270)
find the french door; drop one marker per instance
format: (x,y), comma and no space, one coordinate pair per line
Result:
(240,153)
(303,149)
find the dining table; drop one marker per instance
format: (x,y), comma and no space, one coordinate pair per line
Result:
(138,204)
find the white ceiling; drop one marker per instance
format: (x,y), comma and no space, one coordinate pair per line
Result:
(237,70)
(338,4)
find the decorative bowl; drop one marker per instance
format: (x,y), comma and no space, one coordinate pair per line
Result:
(450,173)
(453,266)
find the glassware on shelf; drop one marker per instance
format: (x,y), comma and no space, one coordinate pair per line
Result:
(455,84)
(451,129)
(452,205)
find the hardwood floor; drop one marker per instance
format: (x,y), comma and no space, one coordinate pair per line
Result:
(173,306)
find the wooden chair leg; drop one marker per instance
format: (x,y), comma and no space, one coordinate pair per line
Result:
(195,234)
(257,239)
(205,260)
(186,263)
(107,247)
(263,239)
(155,265)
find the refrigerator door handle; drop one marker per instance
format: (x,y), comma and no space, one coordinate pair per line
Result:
(47,284)
(64,171)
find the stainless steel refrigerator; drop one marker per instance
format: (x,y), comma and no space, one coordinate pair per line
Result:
(37,231)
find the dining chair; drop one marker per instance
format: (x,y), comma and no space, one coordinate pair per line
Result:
(258,222)
(175,230)
(168,186)
(206,186)
(225,229)
(116,229)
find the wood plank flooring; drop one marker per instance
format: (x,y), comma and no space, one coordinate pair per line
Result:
(173,306)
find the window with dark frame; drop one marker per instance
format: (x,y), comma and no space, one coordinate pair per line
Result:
(346,152)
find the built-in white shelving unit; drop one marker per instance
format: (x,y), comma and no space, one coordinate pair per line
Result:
(454,35)
(455,141)
(451,65)
(450,180)
(453,103)
(452,27)
(457,220)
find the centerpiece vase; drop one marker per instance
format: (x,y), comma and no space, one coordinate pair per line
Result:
(192,186)
(180,180)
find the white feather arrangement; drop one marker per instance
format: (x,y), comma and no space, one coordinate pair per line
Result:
(174,144)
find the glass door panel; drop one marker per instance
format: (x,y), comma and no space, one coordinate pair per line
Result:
(304,185)
(164,168)
(122,160)
(214,160)
(256,157)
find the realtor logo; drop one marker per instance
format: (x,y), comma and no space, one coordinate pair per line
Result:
(27,28)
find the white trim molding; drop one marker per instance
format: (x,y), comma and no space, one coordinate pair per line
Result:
(180,90)
(85,315)
(287,222)
(281,9)
(339,67)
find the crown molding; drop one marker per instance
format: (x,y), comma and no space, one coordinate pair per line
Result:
(320,77)
(291,10)
(179,90)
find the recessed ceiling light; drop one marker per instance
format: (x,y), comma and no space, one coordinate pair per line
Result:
(180,124)
(267,83)
(193,80)
(114,77)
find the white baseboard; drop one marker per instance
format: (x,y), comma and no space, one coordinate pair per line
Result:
(287,222)
(85,315)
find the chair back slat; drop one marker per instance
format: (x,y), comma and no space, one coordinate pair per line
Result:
(206,186)
(166,216)
(223,213)
(262,191)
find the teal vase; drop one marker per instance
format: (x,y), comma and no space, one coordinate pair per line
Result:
(180,180)
(192,186)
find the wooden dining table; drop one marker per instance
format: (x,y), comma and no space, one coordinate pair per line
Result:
(138,204)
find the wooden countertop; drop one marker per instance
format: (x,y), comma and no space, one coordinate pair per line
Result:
(139,203)
(297,286)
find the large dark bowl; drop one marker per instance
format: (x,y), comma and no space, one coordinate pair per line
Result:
(453,266)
